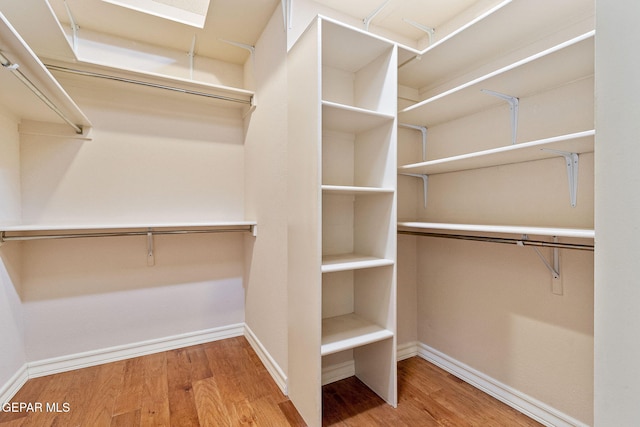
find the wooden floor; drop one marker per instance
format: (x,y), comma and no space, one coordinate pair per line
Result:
(224,384)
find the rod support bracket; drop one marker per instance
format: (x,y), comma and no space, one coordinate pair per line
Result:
(553,269)
(151,260)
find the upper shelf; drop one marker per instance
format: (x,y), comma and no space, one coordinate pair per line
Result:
(580,142)
(488,35)
(550,68)
(29,91)
(218,94)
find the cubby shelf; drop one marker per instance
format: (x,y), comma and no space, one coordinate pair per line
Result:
(560,64)
(501,229)
(345,118)
(579,142)
(346,262)
(350,331)
(354,190)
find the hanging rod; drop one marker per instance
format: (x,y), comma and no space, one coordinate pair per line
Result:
(504,240)
(5,238)
(148,84)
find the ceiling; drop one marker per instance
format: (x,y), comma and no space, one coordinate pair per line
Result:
(242,21)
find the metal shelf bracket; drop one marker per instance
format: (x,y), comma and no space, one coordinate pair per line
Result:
(429,30)
(425,181)
(373,14)
(572,161)
(514,104)
(422,129)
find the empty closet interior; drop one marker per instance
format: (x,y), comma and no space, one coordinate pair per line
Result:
(346,185)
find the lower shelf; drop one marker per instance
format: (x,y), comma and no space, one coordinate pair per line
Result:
(349,331)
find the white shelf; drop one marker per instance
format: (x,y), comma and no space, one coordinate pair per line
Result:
(346,262)
(227,96)
(18,98)
(501,229)
(489,35)
(349,331)
(345,118)
(580,142)
(352,190)
(550,68)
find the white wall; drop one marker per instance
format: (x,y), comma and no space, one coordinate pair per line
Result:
(12,356)
(617,201)
(266,182)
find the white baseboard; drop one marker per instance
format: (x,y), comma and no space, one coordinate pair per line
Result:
(407,350)
(337,372)
(14,384)
(127,351)
(529,406)
(269,362)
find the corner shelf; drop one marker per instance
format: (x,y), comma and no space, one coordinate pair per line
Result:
(552,67)
(350,331)
(38,97)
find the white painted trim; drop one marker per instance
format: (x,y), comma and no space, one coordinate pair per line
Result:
(407,350)
(529,406)
(127,351)
(15,383)
(337,372)
(269,362)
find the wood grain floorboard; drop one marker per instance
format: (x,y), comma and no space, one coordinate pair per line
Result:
(224,384)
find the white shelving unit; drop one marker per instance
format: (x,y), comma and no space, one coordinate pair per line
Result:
(528,63)
(343,210)
(29,90)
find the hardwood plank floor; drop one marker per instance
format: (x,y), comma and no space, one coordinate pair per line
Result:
(223,383)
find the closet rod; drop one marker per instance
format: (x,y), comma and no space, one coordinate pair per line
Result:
(5,238)
(148,84)
(504,240)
